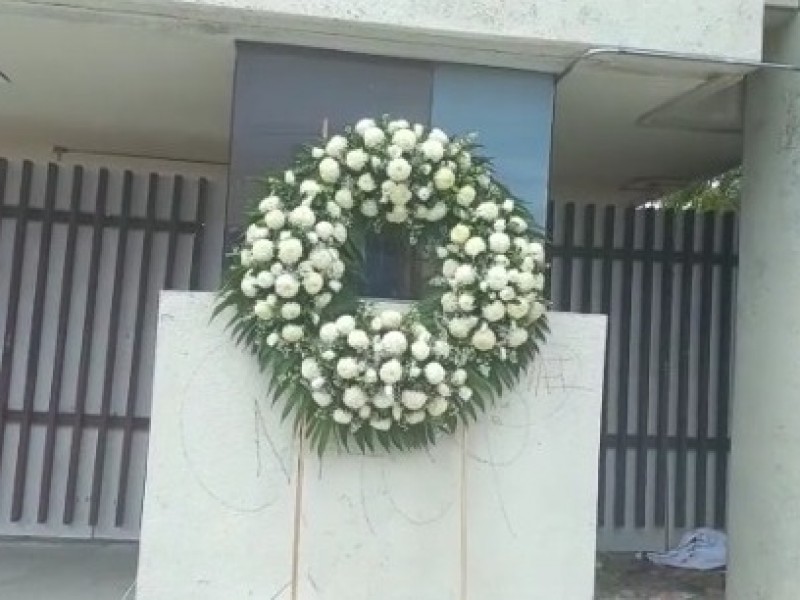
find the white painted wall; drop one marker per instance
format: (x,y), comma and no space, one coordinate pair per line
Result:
(509,510)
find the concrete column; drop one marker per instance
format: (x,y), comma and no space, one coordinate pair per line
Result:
(764,522)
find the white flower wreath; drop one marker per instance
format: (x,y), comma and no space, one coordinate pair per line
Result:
(347,367)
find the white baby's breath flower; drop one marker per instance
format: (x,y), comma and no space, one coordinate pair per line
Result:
(292,333)
(329,170)
(373,137)
(484,339)
(336,145)
(459,234)
(356,159)
(474,246)
(466,195)
(263,310)
(434,373)
(328,333)
(413,399)
(391,371)
(358,339)
(347,368)
(341,416)
(290,251)
(275,219)
(286,286)
(444,179)
(291,310)
(494,311)
(262,250)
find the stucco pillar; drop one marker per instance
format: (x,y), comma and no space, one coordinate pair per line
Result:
(764,522)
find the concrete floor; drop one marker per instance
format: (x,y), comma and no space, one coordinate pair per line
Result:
(67,570)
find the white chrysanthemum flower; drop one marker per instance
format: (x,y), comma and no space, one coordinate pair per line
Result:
(382,400)
(459,234)
(537,311)
(324,230)
(444,389)
(302,216)
(397,124)
(416,417)
(466,302)
(391,371)
(449,302)
(497,277)
(249,286)
(288,177)
(269,203)
(484,339)
(334,210)
(309,369)
(369,208)
(399,214)
(328,333)
(342,416)
(424,193)
(275,219)
(313,283)
(317,152)
(441,349)
(444,179)
(433,150)
(286,286)
(518,309)
(405,139)
(536,250)
(344,198)
(438,135)
(517,224)
(356,159)
(265,279)
(413,399)
(246,257)
(526,281)
(358,339)
(474,246)
(323,300)
(465,275)
(449,267)
(499,242)
(500,226)
(262,250)
(291,310)
(494,311)
(466,195)
(538,282)
(517,336)
(398,169)
(363,124)
(465,393)
(508,205)
(340,233)
(420,350)
(419,129)
(394,343)
(276,268)
(373,136)
(434,373)
(391,319)
(272,300)
(336,145)
(438,406)
(329,170)
(347,367)
(366,183)
(459,377)
(292,333)
(322,399)
(263,310)
(309,188)
(380,424)
(507,294)
(290,251)
(400,194)
(459,328)
(397,412)
(437,212)
(337,269)
(321,258)
(345,324)
(488,211)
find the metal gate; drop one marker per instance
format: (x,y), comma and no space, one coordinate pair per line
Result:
(667,281)
(83,254)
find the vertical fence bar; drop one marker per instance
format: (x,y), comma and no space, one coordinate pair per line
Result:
(607,281)
(197,248)
(113,342)
(588,262)
(85,352)
(57,382)
(174,222)
(12,311)
(665,369)
(620,474)
(567,256)
(684,341)
(724,372)
(136,357)
(643,399)
(704,367)
(35,344)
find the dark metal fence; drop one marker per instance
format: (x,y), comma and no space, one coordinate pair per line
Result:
(666,279)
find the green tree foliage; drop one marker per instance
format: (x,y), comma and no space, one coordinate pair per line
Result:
(719,193)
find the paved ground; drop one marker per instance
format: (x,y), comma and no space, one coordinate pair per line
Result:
(82,571)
